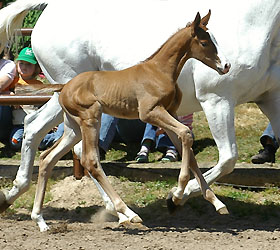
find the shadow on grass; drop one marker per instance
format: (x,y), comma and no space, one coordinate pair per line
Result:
(6,151)
(130,150)
(197,214)
(200,145)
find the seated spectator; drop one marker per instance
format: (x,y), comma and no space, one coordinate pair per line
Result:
(52,137)
(7,74)
(27,71)
(118,129)
(160,141)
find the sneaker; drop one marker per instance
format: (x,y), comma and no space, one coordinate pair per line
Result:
(170,156)
(142,157)
(265,155)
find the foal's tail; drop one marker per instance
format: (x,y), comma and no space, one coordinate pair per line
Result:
(38,89)
(11,18)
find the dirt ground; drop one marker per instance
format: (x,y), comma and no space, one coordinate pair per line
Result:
(78,221)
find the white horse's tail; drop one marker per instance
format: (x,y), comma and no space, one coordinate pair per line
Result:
(11,18)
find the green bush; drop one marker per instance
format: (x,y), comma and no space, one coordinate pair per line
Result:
(25,41)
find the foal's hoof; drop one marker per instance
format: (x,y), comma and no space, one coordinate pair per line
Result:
(223,210)
(136,219)
(134,223)
(3,203)
(171,206)
(130,225)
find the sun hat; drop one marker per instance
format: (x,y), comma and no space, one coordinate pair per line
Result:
(27,55)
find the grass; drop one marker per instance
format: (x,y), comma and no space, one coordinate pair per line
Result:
(249,125)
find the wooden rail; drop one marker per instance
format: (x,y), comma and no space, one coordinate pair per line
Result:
(25,31)
(23,99)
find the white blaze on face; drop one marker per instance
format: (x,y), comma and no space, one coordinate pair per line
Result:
(224,64)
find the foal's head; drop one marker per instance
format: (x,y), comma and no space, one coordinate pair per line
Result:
(204,46)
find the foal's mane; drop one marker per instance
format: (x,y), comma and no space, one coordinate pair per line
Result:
(203,27)
(154,54)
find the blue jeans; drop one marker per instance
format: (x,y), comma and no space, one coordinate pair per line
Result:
(16,137)
(116,129)
(51,138)
(162,142)
(5,122)
(269,132)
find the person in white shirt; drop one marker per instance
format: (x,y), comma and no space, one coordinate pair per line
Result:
(7,74)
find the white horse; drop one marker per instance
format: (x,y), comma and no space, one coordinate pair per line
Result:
(112,35)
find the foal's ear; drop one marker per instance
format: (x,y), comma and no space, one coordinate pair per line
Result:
(204,21)
(195,24)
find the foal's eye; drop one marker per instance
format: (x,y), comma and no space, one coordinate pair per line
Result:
(203,44)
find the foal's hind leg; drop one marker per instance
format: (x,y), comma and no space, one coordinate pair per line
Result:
(109,206)
(48,159)
(90,160)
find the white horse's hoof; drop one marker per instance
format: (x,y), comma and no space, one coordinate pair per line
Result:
(3,202)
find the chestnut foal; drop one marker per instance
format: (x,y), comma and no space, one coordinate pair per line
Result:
(147,91)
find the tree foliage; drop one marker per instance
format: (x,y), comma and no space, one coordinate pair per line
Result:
(6,2)
(29,22)
(25,41)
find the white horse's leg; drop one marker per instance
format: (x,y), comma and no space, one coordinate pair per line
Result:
(48,159)
(36,127)
(270,101)
(107,201)
(220,116)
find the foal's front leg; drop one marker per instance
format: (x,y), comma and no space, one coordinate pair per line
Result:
(161,118)
(174,198)
(90,160)
(207,192)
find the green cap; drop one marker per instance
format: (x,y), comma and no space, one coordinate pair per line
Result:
(27,55)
